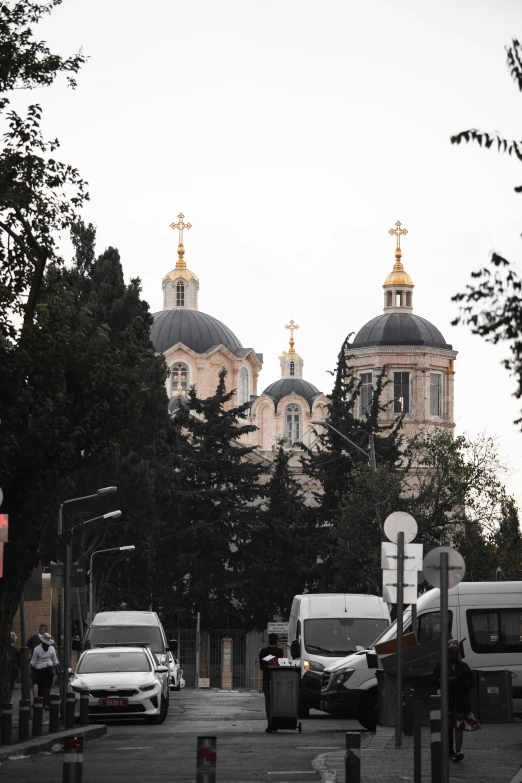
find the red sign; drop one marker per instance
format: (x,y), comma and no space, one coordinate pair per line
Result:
(4,526)
(1,559)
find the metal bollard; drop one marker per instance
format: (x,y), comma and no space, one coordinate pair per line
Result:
(84,707)
(37,716)
(407,724)
(54,714)
(72,760)
(206,760)
(417,742)
(70,709)
(7,724)
(24,719)
(353,757)
(436,739)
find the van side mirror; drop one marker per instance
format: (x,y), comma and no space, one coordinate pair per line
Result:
(173,645)
(295,649)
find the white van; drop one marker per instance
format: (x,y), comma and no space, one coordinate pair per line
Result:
(128,627)
(487,615)
(327,627)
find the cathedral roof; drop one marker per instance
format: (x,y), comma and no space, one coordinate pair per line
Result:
(196,330)
(285,386)
(400,329)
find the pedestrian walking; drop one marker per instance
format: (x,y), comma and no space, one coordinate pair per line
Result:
(43,664)
(460,680)
(32,642)
(268,657)
(14,656)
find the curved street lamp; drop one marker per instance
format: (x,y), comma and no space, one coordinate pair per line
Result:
(129,548)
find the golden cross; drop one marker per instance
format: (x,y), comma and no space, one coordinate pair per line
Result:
(180,225)
(398,231)
(292,326)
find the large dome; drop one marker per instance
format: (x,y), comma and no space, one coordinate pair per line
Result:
(194,329)
(285,386)
(400,329)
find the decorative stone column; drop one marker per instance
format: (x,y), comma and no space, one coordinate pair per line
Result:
(226,665)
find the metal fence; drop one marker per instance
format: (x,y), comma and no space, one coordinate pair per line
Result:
(187,655)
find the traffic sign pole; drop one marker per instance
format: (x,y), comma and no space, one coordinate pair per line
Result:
(444,668)
(400,612)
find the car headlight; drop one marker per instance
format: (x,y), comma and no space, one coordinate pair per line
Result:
(313,666)
(341,678)
(149,686)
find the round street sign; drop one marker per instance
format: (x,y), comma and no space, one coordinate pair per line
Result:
(456,566)
(400,522)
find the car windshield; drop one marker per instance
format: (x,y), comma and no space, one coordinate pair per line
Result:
(98,662)
(338,636)
(123,634)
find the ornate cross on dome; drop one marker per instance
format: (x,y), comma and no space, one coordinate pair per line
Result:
(293,327)
(180,225)
(398,231)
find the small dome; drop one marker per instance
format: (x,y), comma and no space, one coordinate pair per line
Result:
(398,277)
(194,329)
(400,329)
(285,386)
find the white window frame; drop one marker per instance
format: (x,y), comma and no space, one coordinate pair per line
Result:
(243,373)
(291,367)
(362,411)
(293,433)
(184,385)
(441,394)
(180,292)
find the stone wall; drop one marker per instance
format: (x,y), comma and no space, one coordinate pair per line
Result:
(36,612)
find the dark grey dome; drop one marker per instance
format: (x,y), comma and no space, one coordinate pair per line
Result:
(285,386)
(400,329)
(196,330)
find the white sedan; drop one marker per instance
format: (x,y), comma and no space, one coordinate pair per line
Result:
(175,673)
(123,682)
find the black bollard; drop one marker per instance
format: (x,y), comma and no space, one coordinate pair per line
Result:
(54,714)
(72,760)
(24,719)
(70,709)
(206,760)
(84,707)
(436,739)
(37,716)
(409,695)
(352,764)
(7,724)
(417,742)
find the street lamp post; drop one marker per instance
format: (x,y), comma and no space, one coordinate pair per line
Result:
(65,596)
(129,548)
(370,457)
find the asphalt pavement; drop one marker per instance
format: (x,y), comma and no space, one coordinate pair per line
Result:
(136,751)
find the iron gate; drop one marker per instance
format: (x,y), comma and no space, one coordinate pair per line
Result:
(238,657)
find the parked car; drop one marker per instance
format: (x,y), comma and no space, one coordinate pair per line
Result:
(128,627)
(123,681)
(487,616)
(175,673)
(325,627)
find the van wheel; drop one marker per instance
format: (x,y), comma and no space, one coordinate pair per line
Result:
(367,714)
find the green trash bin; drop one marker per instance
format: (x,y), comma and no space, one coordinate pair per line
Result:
(495,696)
(285,682)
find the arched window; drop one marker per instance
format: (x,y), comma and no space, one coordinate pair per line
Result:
(292,368)
(292,424)
(179,375)
(180,294)
(244,395)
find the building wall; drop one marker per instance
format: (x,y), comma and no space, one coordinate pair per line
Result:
(36,612)
(419,362)
(191,293)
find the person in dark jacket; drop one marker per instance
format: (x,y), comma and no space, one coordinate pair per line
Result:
(14,655)
(460,680)
(265,652)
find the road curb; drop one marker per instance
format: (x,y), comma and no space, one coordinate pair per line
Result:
(320,766)
(31,747)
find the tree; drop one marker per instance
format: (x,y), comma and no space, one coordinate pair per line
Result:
(281,555)
(493,303)
(217,510)
(83,401)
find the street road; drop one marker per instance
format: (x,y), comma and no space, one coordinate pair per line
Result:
(134,751)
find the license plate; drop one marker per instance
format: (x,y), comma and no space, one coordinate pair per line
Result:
(114,702)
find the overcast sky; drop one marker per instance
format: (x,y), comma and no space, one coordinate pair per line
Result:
(293,134)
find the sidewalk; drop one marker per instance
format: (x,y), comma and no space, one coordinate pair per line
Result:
(492,755)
